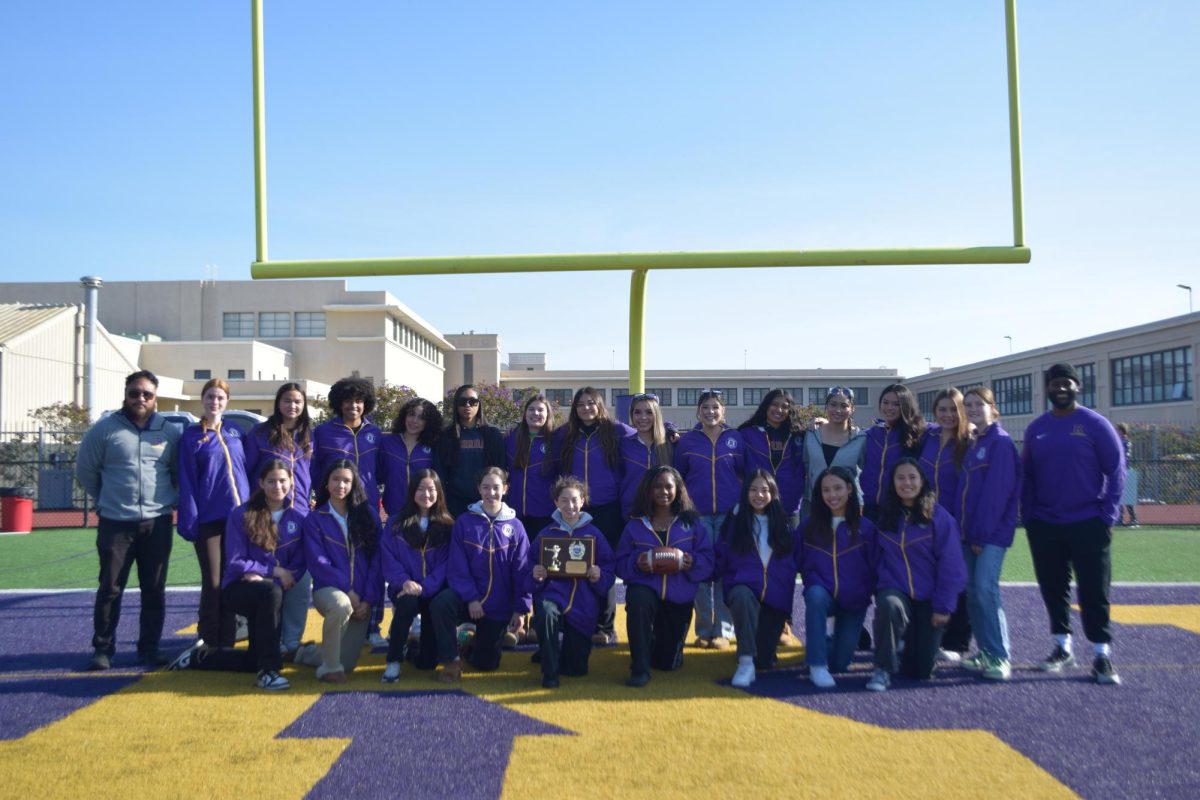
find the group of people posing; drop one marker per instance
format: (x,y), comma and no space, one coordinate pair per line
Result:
(445,518)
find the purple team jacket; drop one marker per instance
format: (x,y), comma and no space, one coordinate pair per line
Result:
(212,477)
(924,561)
(989,488)
(396,464)
(244,558)
(937,462)
(403,562)
(639,537)
(589,465)
(580,600)
(529,487)
(489,562)
(334,562)
(846,571)
(712,471)
(333,439)
(789,475)
(1074,469)
(882,451)
(774,584)
(638,458)
(259,451)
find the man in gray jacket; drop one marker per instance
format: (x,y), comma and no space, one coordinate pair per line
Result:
(127,464)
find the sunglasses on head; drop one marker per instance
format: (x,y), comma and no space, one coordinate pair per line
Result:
(644,396)
(843,391)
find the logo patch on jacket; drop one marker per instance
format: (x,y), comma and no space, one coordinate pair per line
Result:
(982,452)
(731,443)
(506,529)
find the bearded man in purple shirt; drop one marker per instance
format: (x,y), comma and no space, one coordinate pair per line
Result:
(1074,470)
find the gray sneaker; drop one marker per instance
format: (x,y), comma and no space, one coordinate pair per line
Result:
(1103,672)
(1057,661)
(271,680)
(880,681)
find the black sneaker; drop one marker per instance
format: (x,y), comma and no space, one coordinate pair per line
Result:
(638,679)
(184,660)
(100,662)
(153,659)
(549,682)
(1103,672)
(1057,661)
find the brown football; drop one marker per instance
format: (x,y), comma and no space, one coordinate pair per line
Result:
(666,560)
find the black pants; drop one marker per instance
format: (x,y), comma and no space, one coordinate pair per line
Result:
(656,628)
(958,630)
(899,618)
(757,626)
(448,611)
(611,522)
(261,603)
(119,545)
(215,625)
(571,656)
(1086,548)
(406,609)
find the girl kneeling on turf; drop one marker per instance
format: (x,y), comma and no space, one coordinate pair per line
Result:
(341,543)
(487,571)
(415,550)
(836,560)
(264,557)
(921,572)
(756,563)
(658,604)
(577,602)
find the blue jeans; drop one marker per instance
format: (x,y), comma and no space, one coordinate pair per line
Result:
(296,602)
(983,599)
(712,615)
(818,604)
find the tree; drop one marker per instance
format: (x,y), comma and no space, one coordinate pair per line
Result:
(67,420)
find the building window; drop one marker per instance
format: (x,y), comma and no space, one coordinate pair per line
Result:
(752,397)
(310,324)
(1162,377)
(274,324)
(237,374)
(201,374)
(925,403)
(688,397)
(560,397)
(663,395)
(1014,395)
(728,393)
(468,368)
(816,397)
(238,325)
(966,387)
(862,395)
(1087,388)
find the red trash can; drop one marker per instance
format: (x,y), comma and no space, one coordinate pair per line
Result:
(16,510)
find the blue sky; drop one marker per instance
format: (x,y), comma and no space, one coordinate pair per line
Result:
(484,128)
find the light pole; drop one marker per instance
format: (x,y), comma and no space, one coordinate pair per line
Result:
(1189,291)
(1009,344)
(928,364)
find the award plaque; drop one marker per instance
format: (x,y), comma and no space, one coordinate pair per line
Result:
(567,556)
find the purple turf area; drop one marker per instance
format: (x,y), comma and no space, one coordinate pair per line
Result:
(1135,740)
(422,736)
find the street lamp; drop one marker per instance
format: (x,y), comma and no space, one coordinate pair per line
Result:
(1009,344)
(928,364)
(1189,291)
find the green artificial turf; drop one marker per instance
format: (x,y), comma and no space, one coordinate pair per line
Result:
(65,558)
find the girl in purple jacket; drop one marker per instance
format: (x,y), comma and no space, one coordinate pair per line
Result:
(341,545)
(287,436)
(407,450)
(264,556)
(756,561)
(989,490)
(531,466)
(896,434)
(920,575)
(658,608)
(836,560)
(212,483)
(415,549)
(711,459)
(569,605)
(647,447)
(487,571)
(588,447)
(350,435)
(775,444)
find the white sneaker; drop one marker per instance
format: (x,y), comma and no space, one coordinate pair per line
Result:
(391,673)
(744,675)
(949,657)
(271,680)
(821,678)
(880,681)
(377,640)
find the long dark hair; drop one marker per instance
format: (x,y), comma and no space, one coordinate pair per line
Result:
(429,413)
(962,434)
(351,389)
(759,418)
(911,424)
(525,438)
(360,522)
(891,510)
(604,425)
(279,436)
(740,528)
(643,501)
(819,531)
(449,441)
(408,520)
(261,530)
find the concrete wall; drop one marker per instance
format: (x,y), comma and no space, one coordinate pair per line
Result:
(484,349)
